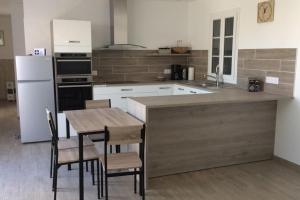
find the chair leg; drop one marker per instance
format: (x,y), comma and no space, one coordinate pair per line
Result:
(101,170)
(106,186)
(143,183)
(98,180)
(54,169)
(55,180)
(140,183)
(118,148)
(51,163)
(87,166)
(134,180)
(92,171)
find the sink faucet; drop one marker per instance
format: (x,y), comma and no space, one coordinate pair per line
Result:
(217,77)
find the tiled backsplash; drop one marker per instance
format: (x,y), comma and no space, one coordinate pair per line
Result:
(260,63)
(199,60)
(141,65)
(6,74)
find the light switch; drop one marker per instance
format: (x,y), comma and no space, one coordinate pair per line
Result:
(272,80)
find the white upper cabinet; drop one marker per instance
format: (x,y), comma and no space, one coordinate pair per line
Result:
(71,36)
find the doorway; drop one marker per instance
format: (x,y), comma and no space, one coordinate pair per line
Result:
(7,75)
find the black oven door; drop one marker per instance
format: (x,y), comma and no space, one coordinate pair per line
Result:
(73,97)
(68,66)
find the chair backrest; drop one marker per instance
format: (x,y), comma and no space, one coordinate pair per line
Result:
(124,135)
(51,125)
(93,104)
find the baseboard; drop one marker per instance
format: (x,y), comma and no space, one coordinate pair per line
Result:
(286,162)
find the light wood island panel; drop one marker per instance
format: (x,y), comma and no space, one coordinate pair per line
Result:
(191,138)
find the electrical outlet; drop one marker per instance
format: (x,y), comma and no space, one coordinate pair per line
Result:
(95,73)
(272,80)
(167,71)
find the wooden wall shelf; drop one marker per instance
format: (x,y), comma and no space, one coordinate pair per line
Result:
(167,55)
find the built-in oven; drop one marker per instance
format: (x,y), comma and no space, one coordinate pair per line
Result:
(73,96)
(73,76)
(69,64)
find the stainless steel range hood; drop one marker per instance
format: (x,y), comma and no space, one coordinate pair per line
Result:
(119,26)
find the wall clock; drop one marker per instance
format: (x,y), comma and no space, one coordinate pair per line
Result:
(265,11)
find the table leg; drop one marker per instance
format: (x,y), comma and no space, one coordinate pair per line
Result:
(68,136)
(68,128)
(81,178)
(118,148)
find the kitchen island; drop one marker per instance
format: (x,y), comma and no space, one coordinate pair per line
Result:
(193,132)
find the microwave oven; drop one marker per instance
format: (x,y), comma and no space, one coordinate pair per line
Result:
(73,64)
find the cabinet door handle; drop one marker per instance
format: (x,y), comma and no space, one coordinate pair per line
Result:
(180,89)
(73,86)
(72,60)
(124,97)
(193,92)
(164,88)
(73,41)
(126,90)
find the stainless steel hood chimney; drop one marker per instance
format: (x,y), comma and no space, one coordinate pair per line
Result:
(119,26)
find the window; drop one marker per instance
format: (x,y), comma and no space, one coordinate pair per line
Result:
(223,46)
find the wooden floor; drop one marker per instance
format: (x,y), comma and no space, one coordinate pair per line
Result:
(24,176)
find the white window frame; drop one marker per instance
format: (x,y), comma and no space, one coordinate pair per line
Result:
(222,16)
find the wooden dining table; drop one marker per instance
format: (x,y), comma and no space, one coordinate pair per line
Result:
(93,121)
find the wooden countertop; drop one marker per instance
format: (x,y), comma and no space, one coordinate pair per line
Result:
(219,96)
(228,94)
(94,120)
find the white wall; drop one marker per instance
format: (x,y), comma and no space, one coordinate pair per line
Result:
(282,33)
(251,34)
(5,7)
(17,16)
(38,15)
(152,23)
(287,144)
(157,23)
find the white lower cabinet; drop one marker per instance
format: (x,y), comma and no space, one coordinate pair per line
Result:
(119,94)
(61,126)
(119,97)
(165,90)
(180,90)
(120,100)
(117,100)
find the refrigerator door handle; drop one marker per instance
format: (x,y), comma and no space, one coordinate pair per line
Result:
(33,81)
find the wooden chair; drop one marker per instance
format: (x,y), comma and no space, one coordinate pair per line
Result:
(94,104)
(70,155)
(65,143)
(124,163)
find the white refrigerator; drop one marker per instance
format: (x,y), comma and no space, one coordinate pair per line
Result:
(35,91)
